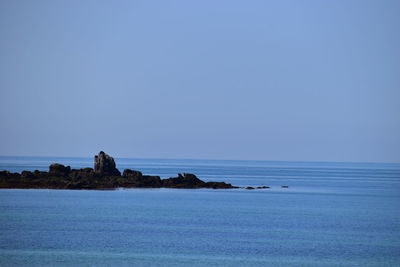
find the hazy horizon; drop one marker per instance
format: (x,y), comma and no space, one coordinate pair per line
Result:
(204,159)
(234,80)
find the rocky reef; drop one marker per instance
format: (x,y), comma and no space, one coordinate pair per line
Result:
(105,175)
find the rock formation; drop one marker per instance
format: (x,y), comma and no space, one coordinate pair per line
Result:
(105,165)
(137,179)
(186,180)
(56,169)
(105,175)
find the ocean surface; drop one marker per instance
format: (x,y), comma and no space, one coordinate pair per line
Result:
(332,214)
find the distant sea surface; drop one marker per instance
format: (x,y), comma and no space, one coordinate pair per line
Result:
(332,214)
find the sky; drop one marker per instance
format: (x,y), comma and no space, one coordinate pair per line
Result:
(252,80)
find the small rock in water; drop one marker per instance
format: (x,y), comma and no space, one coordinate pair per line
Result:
(285,186)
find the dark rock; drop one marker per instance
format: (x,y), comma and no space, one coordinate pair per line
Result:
(262,187)
(82,185)
(186,180)
(6,175)
(150,181)
(132,173)
(219,185)
(104,165)
(10,180)
(132,178)
(85,173)
(249,188)
(27,175)
(56,169)
(40,174)
(105,175)
(285,186)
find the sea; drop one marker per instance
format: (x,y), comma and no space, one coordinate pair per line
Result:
(330,214)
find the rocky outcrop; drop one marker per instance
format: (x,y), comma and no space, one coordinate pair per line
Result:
(188,180)
(84,173)
(105,175)
(104,165)
(56,169)
(137,179)
(27,175)
(219,185)
(132,173)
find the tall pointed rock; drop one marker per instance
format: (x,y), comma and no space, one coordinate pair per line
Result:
(104,165)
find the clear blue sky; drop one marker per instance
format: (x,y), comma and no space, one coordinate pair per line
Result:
(269,80)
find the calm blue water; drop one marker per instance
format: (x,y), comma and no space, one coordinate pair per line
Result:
(332,214)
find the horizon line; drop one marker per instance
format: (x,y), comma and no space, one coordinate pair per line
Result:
(213,159)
